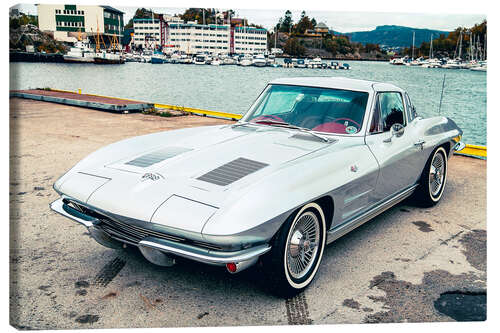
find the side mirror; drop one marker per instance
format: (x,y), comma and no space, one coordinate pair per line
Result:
(396,131)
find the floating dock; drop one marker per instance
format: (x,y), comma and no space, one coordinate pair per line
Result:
(84,100)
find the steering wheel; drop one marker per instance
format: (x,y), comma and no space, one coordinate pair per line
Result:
(349,120)
(268,117)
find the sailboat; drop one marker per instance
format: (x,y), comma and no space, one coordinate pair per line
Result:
(412,62)
(432,62)
(457,62)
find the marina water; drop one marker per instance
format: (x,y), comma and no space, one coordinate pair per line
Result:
(234,88)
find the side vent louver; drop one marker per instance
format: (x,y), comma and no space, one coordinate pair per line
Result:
(232,171)
(157,156)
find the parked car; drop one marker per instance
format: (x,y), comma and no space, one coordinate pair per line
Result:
(311,160)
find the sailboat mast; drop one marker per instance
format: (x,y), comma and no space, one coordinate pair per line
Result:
(275,36)
(430,49)
(460,47)
(471,56)
(413,47)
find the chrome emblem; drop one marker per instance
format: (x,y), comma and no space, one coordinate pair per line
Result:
(151,176)
(354,168)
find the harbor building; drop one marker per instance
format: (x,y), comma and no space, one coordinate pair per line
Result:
(67,21)
(249,40)
(192,38)
(148,32)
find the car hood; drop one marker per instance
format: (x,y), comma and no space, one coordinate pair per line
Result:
(189,177)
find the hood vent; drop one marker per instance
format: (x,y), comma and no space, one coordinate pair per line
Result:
(157,156)
(232,171)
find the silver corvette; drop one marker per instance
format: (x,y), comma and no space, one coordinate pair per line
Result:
(311,160)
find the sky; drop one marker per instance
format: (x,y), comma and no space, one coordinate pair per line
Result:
(345,21)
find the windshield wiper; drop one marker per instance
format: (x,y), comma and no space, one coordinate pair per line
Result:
(239,123)
(287,125)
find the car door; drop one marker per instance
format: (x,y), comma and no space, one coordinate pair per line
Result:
(395,154)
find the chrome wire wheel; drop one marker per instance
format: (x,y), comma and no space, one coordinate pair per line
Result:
(436,174)
(303,245)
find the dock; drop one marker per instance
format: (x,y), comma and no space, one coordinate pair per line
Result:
(83,100)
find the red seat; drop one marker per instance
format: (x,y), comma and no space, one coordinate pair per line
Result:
(268,117)
(331,127)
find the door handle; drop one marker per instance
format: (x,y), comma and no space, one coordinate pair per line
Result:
(420,144)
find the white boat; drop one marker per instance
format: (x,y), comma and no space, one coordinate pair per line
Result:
(146,55)
(105,57)
(259,60)
(301,63)
(271,60)
(158,58)
(432,63)
(455,64)
(246,61)
(481,67)
(80,52)
(417,62)
(215,62)
(200,59)
(185,59)
(174,58)
(228,61)
(398,61)
(315,63)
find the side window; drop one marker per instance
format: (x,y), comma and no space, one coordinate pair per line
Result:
(391,110)
(409,108)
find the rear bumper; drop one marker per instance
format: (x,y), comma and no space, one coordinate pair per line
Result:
(169,247)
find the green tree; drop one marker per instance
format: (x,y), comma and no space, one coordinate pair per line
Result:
(287,22)
(304,24)
(294,48)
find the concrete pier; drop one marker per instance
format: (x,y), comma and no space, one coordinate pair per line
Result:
(83,100)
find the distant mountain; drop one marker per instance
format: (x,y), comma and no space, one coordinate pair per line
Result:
(393,35)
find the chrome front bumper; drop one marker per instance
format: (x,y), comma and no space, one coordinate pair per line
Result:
(168,247)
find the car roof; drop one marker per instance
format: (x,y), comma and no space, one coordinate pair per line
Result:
(337,83)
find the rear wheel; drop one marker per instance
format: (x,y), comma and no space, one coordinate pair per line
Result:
(296,251)
(433,180)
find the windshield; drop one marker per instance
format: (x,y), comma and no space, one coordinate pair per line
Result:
(318,109)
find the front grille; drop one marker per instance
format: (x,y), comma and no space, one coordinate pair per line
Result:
(129,233)
(135,234)
(232,171)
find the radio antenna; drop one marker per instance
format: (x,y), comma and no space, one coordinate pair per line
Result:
(442,91)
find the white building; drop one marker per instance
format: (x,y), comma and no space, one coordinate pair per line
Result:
(147,32)
(66,21)
(192,38)
(250,40)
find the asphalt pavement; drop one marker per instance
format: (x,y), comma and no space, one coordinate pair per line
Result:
(407,265)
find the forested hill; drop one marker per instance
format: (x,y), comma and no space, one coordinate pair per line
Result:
(393,35)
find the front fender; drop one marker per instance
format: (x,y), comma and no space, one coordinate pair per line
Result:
(265,205)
